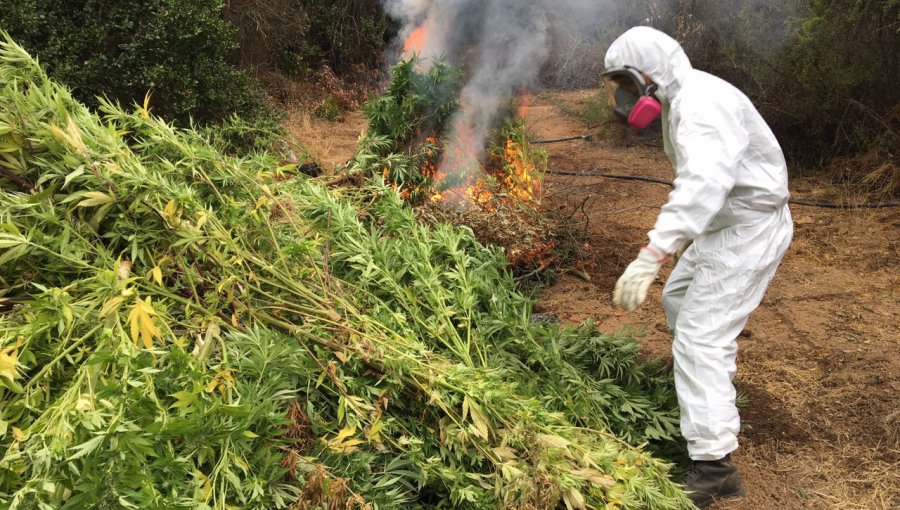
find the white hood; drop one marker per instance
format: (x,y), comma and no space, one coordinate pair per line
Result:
(655,54)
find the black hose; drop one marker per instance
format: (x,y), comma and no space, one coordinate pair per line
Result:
(587,136)
(612,176)
(808,203)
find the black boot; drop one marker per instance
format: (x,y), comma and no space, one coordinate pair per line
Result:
(708,481)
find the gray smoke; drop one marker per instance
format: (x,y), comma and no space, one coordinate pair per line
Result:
(506,46)
(503,46)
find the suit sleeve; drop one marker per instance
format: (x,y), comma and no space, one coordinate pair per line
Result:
(710,141)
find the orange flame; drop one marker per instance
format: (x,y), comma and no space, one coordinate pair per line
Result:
(517,180)
(524,103)
(521,180)
(415,43)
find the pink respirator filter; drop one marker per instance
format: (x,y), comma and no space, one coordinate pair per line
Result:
(645,111)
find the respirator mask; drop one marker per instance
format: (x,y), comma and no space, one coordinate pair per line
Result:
(631,97)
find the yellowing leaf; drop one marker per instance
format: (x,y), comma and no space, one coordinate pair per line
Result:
(341,442)
(157,275)
(553,441)
(8,360)
(111,306)
(374,432)
(95,198)
(169,210)
(18,434)
(222,380)
(145,108)
(344,434)
(505,453)
(573,499)
(74,135)
(142,326)
(242,463)
(205,487)
(480,426)
(596,477)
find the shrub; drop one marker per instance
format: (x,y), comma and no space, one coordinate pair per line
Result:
(122,49)
(822,72)
(297,37)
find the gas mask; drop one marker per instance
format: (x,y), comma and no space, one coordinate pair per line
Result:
(631,97)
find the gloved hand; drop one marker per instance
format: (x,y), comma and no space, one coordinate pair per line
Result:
(631,289)
(681,249)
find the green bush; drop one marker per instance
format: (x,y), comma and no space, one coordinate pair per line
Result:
(122,49)
(822,72)
(298,37)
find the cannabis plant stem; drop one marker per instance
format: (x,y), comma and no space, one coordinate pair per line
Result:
(52,363)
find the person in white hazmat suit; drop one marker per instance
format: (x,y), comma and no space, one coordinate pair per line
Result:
(726,222)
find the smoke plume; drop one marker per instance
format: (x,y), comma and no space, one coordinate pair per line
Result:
(506,46)
(502,46)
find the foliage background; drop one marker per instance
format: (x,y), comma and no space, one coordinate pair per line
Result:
(178,50)
(823,72)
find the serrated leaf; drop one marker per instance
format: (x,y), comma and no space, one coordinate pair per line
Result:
(505,453)
(111,306)
(157,275)
(142,326)
(11,240)
(8,360)
(86,447)
(553,441)
(574,500)
(374,432)
(596,477)
(72,175)
(95,198)
(341,441)
(183,399)
(480,425)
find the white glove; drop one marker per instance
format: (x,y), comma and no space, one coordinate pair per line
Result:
(631,289)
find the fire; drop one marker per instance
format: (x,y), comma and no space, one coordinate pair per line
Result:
(520,179)
(510,176)
(415,43)
(524,103)
(517,179)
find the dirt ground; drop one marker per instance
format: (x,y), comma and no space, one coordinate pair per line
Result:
(819,363)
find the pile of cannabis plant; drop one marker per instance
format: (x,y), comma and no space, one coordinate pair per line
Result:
(183,329)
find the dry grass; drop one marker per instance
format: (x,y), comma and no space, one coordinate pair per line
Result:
(874,175)
(821,476)
(330,143)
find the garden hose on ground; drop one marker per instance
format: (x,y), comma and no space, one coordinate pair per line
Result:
(808,203)
(585,137)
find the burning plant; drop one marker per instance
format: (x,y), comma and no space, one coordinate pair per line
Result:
(413,144)
(455,168)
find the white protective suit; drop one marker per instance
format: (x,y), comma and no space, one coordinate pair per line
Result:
(730,197)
